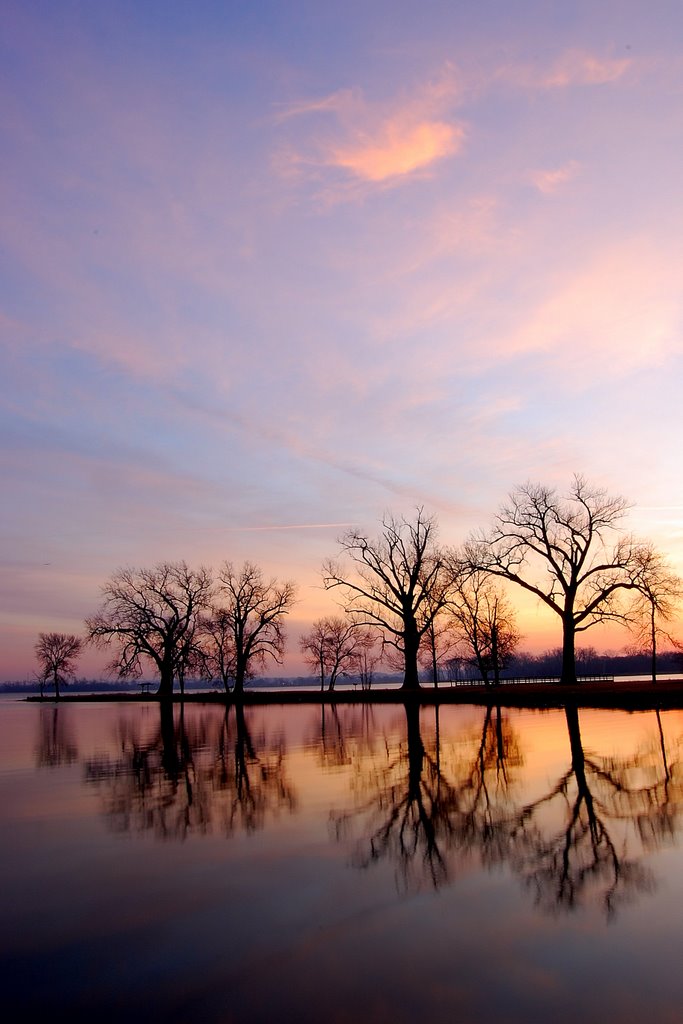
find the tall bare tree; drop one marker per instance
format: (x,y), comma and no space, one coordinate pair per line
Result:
(397,582)
(333,647)
(151,616)
(568,551)
(254,609)
(57,654)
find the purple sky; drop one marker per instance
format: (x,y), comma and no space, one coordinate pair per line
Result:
(270,269)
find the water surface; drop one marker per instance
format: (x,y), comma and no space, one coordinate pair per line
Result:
(364,864)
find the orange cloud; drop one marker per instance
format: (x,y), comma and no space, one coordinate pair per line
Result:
(375,143)
(400,149)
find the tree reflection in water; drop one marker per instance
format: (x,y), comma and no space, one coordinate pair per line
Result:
(426,817)
(341,738)
(430,807)
(188,774)
(425,804)
(56,745)
(584,839)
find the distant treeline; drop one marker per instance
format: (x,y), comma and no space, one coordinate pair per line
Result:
(589,662)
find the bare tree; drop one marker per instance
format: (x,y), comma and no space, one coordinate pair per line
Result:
(57,654)
(254,609)
(439,647)
(567,552)
(397,583)
(484,623)
(151,616)
(334,646)
(219,646)
(658,595)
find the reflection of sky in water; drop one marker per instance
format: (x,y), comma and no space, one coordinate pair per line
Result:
(263,913)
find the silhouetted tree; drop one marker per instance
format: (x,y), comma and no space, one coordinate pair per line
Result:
(218,646)
(57,654)
(150,616)
(253,610)
(333,647)
(658,595)
(439,646)
(483,620)
(397,583)
(559,549)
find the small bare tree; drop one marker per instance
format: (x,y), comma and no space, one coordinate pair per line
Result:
(656,602)
(57,654)
(334,646)
(218,645)
(396,583)
(254,610)
(483,621)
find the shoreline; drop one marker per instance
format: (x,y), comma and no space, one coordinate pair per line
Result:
(628,696)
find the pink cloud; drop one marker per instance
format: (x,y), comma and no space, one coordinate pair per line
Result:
(576,67)
(619,312)
(572,68)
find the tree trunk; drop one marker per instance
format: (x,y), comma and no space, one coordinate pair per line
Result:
(568,677)
(56,680)
(653,628)
(494,656)
(411,644)
(165,691)
(240,675)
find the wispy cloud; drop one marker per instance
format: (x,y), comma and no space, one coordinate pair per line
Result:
(577,67)
(571,68)
(616,314)
(551,180)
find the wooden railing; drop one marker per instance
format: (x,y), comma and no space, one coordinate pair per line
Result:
(478,681)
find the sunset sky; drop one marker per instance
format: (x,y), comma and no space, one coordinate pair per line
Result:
(269,270)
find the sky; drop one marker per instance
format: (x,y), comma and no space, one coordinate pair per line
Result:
(268,271)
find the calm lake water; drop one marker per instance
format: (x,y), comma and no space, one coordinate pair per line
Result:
(369,864)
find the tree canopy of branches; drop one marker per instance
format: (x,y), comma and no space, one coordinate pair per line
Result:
(334,646)
(484,623)
(57,654)
(151,616)
(398,583)
(254,610)
(566,551)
